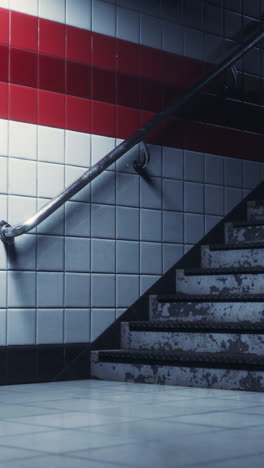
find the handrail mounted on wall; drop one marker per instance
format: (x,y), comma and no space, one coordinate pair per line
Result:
(8,233)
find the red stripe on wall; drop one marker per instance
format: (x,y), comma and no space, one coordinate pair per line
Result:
(66,77)
(57,110)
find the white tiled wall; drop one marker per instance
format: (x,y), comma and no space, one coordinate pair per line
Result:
(90,261)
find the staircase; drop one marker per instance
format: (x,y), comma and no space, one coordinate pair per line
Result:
(210,332)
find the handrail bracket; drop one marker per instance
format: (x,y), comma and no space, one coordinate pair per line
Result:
(6,240)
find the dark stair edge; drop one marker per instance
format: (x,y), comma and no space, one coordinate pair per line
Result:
(202,326)
(182,298)
(239,246)
(248,223)
(184,359)
(222,271)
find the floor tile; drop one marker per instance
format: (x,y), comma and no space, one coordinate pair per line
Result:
(68,420)
(62,441)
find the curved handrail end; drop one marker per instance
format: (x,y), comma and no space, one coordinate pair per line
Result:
(6,240)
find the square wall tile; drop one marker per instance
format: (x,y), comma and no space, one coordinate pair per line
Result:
(146,281)
(103,221)
(21,289)
(103,188)
(22,177)
(101,319)
(78,13)
(77,326)
(77,290)
(252,174)
(150,258)
(214,169)
(172,163)
(103,290)
(4,3)
(172,37)
(233,196)
(49,289)
(194,44)
(100,147)
(4,137)
(51,70)
(3,327)
(151,225)
(24,27)
(150,31)
(103,18)
(127,186)
(233,172)
(127,257)
(154,167)
(133,4)
(193,166)
(20,208)
(3,284)
(50,253)
(3,174)
(193,197)
(50,179)
(103,256)
(50,144)
(171,254)
(172,227)
(127,290)
(211,221)
(128,25)
(21,327)
(214,200)
(51,10)
(54,224)
(30,7)
(72,173)
(78,149)
(172,195)
(187,248)
(193,228)
(127,223)
(23,66)
(3,205)
(77,219)
(3,257)
(22,255)
(77,254)
(49,326)
(151,193)
(22,140)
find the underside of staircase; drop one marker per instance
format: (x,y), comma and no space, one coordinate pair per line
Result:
(210,331)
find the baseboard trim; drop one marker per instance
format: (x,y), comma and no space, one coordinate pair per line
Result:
(44,363)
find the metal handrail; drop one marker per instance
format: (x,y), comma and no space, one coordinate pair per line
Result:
(7,232)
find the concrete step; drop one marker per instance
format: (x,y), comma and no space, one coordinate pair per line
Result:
(219,370)
(255,210)
(220,282)
(244,232)
(233,255)
(199,336)
(185,307)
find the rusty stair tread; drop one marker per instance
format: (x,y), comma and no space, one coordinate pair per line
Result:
(223,271)
(178,297)
(196,326)
(184,359)
(238,246)
(248,223)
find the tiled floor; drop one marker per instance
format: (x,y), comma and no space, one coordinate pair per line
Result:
(94,424)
